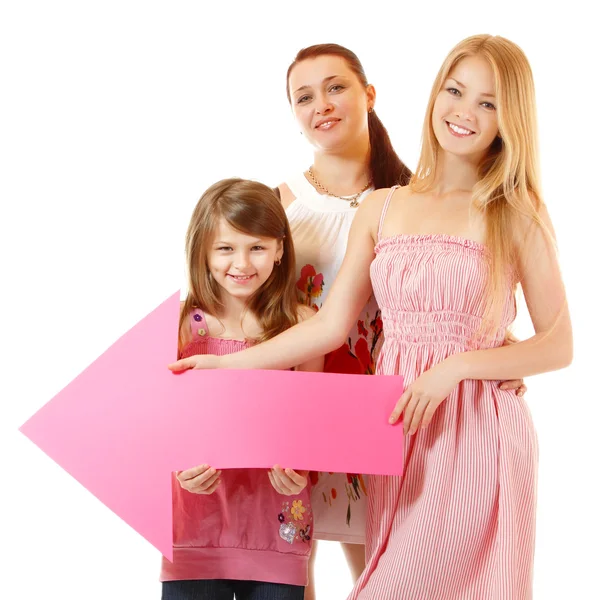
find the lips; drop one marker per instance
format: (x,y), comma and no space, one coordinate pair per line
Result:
(458,130)
(325,124)
(242,279)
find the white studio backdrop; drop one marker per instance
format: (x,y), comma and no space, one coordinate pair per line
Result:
(117,115)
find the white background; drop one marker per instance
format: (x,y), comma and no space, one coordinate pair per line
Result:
(117,115)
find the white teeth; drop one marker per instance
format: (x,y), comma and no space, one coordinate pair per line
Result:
(458,129)
(241,276)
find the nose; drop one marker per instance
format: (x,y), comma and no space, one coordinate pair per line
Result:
(241,260)
(323,106)
(463,111)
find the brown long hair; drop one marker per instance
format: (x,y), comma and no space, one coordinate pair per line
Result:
(251,208)
(386,168)
(509,185)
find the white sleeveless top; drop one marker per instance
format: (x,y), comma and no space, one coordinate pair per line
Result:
(320,226)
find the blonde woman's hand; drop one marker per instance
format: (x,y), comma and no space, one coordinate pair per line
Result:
(422,397)
(287,481)
(199,480)
(514,384)
(198,361)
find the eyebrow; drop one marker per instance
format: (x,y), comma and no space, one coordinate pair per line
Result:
(462,85)
(226,243)
(327,79)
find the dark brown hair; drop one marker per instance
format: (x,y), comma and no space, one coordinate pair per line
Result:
(386,167)
(251,208)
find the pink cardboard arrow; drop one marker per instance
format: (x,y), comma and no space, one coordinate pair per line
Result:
(126,422)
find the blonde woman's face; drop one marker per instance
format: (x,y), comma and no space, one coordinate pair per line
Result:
(465,121)
(329,102)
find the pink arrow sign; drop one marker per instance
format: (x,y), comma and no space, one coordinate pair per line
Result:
(126,422)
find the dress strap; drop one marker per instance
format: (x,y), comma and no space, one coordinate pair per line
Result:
(384,211)
(198,323)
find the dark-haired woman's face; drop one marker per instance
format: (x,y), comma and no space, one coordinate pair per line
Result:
(329,102)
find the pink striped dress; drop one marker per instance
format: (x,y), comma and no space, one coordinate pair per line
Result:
(460,523)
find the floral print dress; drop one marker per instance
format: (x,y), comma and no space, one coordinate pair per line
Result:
(320,226)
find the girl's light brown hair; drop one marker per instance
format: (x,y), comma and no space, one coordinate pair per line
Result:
(385,166)
(508,192)
(251,208)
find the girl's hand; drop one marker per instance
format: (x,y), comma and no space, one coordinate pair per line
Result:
(421,399)
(199,480)
(287,481)
(198,361)
(514,384)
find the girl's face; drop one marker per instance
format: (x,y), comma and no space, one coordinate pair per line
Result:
(329,102)
(241,263)
(464,116)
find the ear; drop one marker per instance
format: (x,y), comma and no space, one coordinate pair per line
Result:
(371,96)
(279,252)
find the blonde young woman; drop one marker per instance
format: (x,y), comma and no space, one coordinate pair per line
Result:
(334,107)
(444,256)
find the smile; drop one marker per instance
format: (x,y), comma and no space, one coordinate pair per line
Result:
(459,131)
(241,278)
(326,125)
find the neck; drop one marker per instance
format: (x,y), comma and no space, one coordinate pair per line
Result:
(344,173)
(456,173)
(233,308)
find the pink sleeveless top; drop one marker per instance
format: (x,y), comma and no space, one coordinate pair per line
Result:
(245,530)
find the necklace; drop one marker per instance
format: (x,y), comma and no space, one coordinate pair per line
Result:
(352,199)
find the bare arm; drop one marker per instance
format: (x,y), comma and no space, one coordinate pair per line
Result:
(314,365)
(551,347)
(327,330)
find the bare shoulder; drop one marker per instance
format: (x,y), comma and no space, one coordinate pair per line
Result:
(533,235)
(375,200)
(528,226)
(371,208)
(305,312)
(286,195)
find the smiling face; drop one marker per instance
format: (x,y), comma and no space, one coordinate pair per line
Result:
(464,117)
(241,263)
(329,102)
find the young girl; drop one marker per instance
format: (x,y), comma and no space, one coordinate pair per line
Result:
(239,531)
(444,256)
(334,106)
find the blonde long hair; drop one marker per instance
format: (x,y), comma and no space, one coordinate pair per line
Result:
(508,192)
(254,209)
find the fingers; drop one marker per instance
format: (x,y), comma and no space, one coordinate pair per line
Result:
(275,483)
(514,384)
(282,480)
(287,481)
(409,411)
(181,365)
(428,414)
(199,480)
(193,472)
(417,416)
(404,399)
(213,487)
